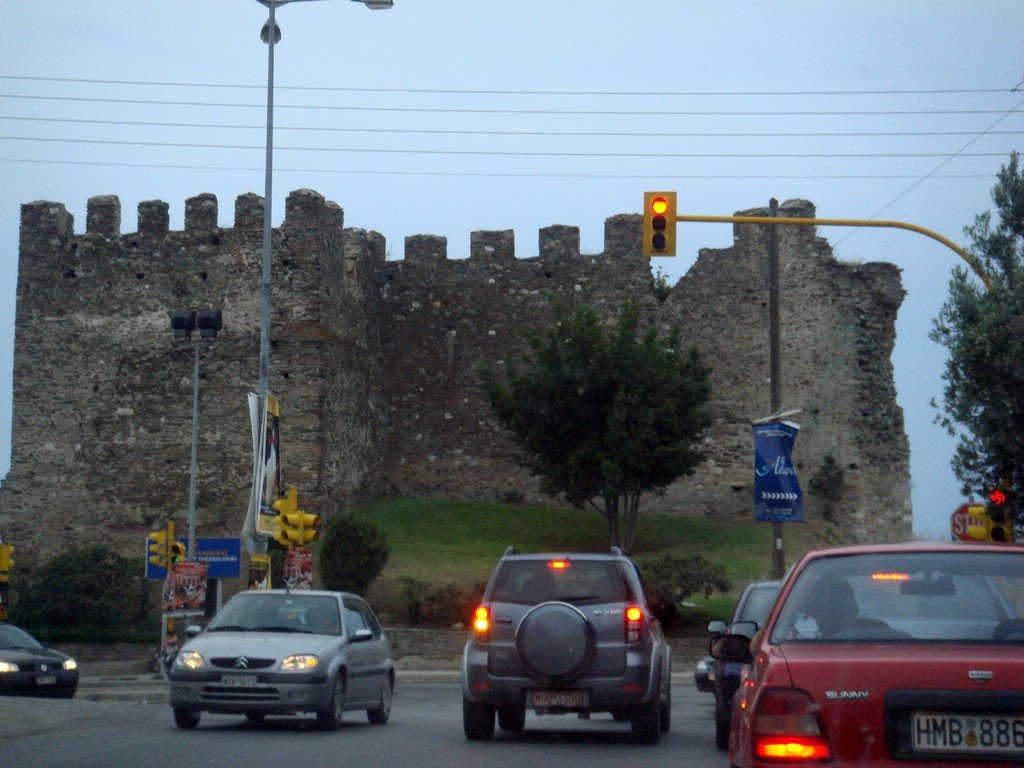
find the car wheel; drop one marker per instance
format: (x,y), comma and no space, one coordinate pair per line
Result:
(722,730)
(186,718)
(512,718)
(477,720)
(646,722)
(256,718)
(330,719)
(665,715)
(380,715)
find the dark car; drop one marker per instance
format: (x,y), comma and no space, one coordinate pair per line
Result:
(29,668)
(280,652)
(754,605)
(567,632)
(888,655)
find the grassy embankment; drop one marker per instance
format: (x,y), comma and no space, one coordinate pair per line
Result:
(442,542)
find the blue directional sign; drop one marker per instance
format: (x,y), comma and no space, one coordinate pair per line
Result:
(222,556)
(777,493)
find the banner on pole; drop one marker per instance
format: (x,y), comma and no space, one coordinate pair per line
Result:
(777,493)
(268,488)
(298,569)
(259,571)
(185,589)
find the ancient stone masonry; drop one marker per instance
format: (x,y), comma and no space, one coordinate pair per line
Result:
(376,364)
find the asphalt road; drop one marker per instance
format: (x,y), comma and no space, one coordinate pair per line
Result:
(425,731)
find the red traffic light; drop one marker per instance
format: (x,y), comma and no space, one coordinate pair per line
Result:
(659,206)
(997,497)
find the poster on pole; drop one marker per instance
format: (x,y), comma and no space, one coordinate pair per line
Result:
(259,571)
(777,493)
(298,569)
(268,484)
(185,589)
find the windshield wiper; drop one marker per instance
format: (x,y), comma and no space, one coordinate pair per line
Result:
(229,628)
(278,628)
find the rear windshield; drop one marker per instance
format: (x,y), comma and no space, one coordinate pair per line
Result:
(530,582)
(907,597)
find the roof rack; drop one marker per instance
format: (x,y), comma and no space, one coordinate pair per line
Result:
(509,551)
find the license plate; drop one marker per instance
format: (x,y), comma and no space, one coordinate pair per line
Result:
(968,733)
(559,699)
(47,680)
(242,681)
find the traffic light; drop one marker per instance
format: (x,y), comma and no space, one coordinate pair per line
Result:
(294,527)
(6,561)
(164,550)
(1000,513)
(158,548)
(659,224)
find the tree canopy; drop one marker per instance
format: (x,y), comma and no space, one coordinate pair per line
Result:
(604,415)
(983,395)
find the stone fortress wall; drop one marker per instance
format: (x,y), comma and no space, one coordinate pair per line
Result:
(376,364)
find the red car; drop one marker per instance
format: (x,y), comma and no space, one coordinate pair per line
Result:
(886,655)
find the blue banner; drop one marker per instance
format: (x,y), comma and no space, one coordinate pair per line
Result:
(777,494)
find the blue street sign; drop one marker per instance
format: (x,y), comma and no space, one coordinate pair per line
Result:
(777,493)
(222,556)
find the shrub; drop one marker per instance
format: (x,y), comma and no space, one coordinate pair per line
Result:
(445,605)
(670,579)
(353,554)
(85,594)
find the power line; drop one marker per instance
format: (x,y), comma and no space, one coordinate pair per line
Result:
(378,172)
(471,132)
(506,92)
(507,153)
(498,111)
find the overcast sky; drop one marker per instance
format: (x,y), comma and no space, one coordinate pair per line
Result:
(448,116)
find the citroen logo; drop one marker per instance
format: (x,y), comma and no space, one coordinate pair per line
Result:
(43,668)
(241,663)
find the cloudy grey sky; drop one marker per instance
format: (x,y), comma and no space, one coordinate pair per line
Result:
(447,116)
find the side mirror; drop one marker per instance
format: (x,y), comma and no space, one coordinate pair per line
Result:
(717,627)
(745,628)
(192,630)
(361,636)
(734,648)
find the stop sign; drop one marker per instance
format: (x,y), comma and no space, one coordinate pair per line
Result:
(964,519)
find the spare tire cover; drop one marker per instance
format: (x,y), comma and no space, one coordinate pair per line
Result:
(555,642)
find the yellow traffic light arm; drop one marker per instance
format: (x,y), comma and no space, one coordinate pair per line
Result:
(786,221)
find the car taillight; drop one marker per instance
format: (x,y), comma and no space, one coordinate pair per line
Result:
(482,623)
(786,726)
(634,623)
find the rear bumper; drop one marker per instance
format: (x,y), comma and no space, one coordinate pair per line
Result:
(640,683)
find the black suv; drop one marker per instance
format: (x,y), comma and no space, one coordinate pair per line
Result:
(560,633)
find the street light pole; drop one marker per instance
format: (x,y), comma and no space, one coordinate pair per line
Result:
(271,35)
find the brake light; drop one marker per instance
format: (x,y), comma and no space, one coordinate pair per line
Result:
(482,623)
(634,623)
(558,565)
(786,726)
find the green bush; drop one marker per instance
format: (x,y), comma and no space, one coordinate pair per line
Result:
(89,594)
(670,579)
(353,553)
(429,605)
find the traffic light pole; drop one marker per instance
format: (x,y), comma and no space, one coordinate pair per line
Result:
(775,370)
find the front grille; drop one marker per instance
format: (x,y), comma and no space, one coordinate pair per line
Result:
(242,662)
(226,693)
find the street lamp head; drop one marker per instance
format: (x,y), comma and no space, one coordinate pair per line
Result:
(377,5)
(182,324)
(265,33)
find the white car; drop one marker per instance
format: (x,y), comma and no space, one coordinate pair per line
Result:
(280,652)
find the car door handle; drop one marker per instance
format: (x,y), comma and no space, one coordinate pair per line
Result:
(502,619)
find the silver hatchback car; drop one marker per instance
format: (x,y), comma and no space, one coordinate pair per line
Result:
(279,652)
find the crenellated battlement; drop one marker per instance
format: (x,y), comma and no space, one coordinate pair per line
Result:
(376,362)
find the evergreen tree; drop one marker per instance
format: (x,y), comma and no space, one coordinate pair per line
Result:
(604,416)
(983,329)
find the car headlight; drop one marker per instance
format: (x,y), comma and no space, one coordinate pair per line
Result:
(192,660)
(69,665)
(299,662)
(6,666)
